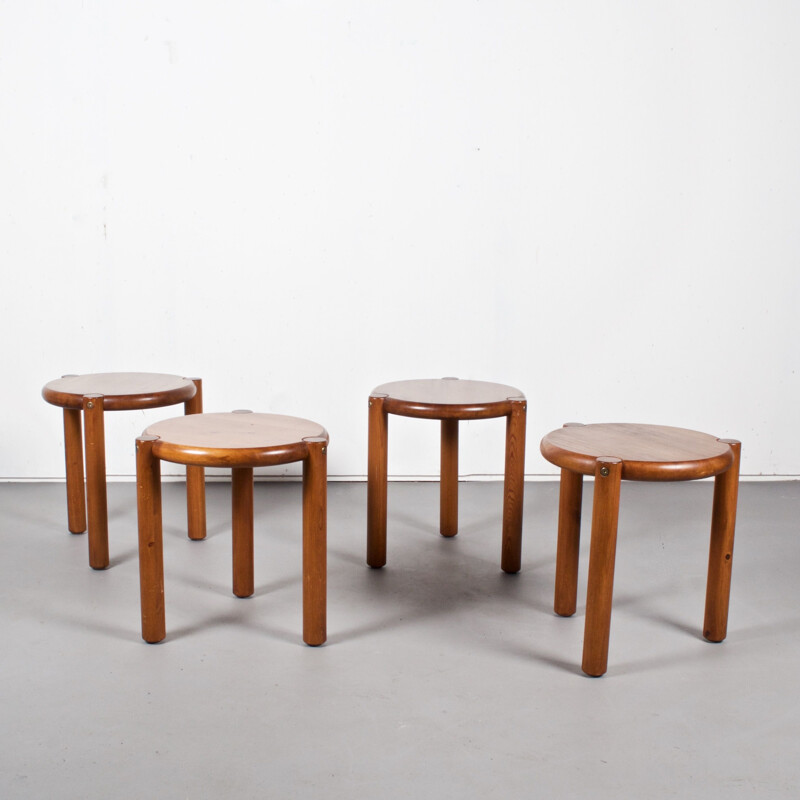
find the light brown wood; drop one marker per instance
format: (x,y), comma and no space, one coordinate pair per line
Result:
(233,440)
(244,440)
(447,398)
(448,479)
(242,535)
(649,452)
(195,476)
(76,488)
(686,455)
(118,391)
(315,570)
(602,553)
(151,555)
(514,487)
(569,541)
(720,559)
(122,391)
(95,449)
(377,482)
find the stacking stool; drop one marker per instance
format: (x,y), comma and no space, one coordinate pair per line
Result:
(240,440)
(114,391)
(448,400)
(613,452)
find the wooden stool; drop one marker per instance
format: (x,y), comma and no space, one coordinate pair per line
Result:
(613,452)
(240,440)
(448,400)
(114,391)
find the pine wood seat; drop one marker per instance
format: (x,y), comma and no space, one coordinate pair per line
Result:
(93,394)
(448,400)
(122,391)
(241,441)
(613,452)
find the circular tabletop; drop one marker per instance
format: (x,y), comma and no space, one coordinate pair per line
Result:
(648,452)
(234,439)
(447,398)
(122,391)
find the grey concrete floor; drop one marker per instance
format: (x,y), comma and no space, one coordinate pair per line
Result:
(442,676)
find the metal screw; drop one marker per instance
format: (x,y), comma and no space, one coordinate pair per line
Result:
(324,450)
(604,471)
(90,404)
(370,403)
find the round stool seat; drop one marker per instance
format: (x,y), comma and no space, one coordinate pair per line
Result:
(122,391)
(234,439)
(647,452)
(447,398)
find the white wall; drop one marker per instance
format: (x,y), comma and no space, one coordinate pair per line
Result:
(596,202)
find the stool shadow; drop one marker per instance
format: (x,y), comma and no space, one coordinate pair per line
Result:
(121,558)
(121,511)
(360,631)
(781,629)
(127,634)
(350,558)
(428,526)
(530,654)
(695,631)
(399,519)
(431,593)
(227,620)
(625,668)
(179,531)
(227,591)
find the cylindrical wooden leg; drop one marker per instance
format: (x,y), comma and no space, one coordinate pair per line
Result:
(514,487)
(720,559)
(315,514)
(96,480)
(605,515)
(151,556)
(569,541)
(448,479)
(195,476)
(376,482)
(73,451)
(242,493)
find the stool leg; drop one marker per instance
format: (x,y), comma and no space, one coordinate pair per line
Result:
(448,479)
(195,476)
(569,541)
(151,555)
(605,514)
(73,451)
(514,487)
(96,501)
(315,511)
(242,494)
(376,483)
(720,559)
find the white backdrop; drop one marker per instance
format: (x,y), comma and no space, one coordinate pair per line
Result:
(598,203)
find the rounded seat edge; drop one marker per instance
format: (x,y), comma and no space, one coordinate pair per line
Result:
(227,440)
(408,403)
(639,470)
(185,390)
(194,456)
